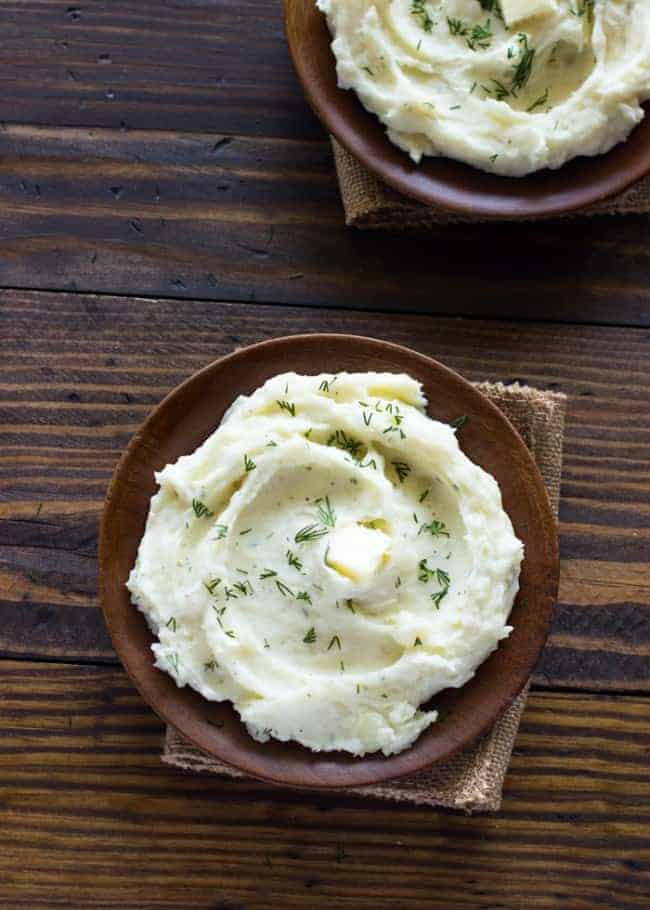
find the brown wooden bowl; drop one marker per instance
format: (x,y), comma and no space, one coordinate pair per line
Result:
(187,416)
(441,181)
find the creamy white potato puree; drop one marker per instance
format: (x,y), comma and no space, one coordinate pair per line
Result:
(328,559)
(449,77)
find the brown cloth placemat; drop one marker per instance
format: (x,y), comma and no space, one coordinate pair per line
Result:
(472,780)
(370,203)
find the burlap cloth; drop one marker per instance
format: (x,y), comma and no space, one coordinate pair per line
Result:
(369,203)
(472,780)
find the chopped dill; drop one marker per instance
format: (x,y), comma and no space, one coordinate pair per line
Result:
(456,26)
(341,440)
(523,68)
(480,36)
(540,102)
(326,512)
(285,590)
(293,561)
(402,469)
(435,528)
(419,10)
(287,406)
(200,509)
(310,533)
(212,585)
(444,581)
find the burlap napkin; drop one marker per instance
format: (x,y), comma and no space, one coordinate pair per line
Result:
(369,203)
(472,780)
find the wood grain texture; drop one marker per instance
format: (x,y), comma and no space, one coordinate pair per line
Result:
(75,385)
(157,64)
(233,217)
(92,819)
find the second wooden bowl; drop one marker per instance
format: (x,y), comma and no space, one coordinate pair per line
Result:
(187,416)
(440,181)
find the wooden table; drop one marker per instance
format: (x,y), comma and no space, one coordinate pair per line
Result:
(166,195)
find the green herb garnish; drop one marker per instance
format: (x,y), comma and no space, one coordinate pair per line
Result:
(435,528)
(287,406)
(212,585)
(444,580)
(293,561)
(283,589)
(326,384)
(419,10)
(310,637)
(310,533)
(403,470)
(370,463)
(538,103)
(341,440)
(480,36)
(523,68)
(200,509)
(325,512)
(456,26)
(244,587)
(425,574)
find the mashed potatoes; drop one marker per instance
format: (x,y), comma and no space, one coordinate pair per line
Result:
(448,77)
(327,560)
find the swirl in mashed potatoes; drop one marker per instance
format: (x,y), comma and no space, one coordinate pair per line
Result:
(449,77)
(327,560)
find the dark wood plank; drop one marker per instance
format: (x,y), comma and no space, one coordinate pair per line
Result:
(92,819)
(79,373)
(206,65)
(231,218)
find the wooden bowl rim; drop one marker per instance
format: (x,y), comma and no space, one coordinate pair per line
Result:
(173,707)
(580,182)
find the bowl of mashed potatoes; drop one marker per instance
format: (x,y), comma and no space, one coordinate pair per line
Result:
(332,574)
(495,108)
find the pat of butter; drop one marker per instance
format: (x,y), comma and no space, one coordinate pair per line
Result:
(517,10)
(356,551)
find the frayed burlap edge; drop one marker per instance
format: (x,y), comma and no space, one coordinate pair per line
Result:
(473,780)
(370,203)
